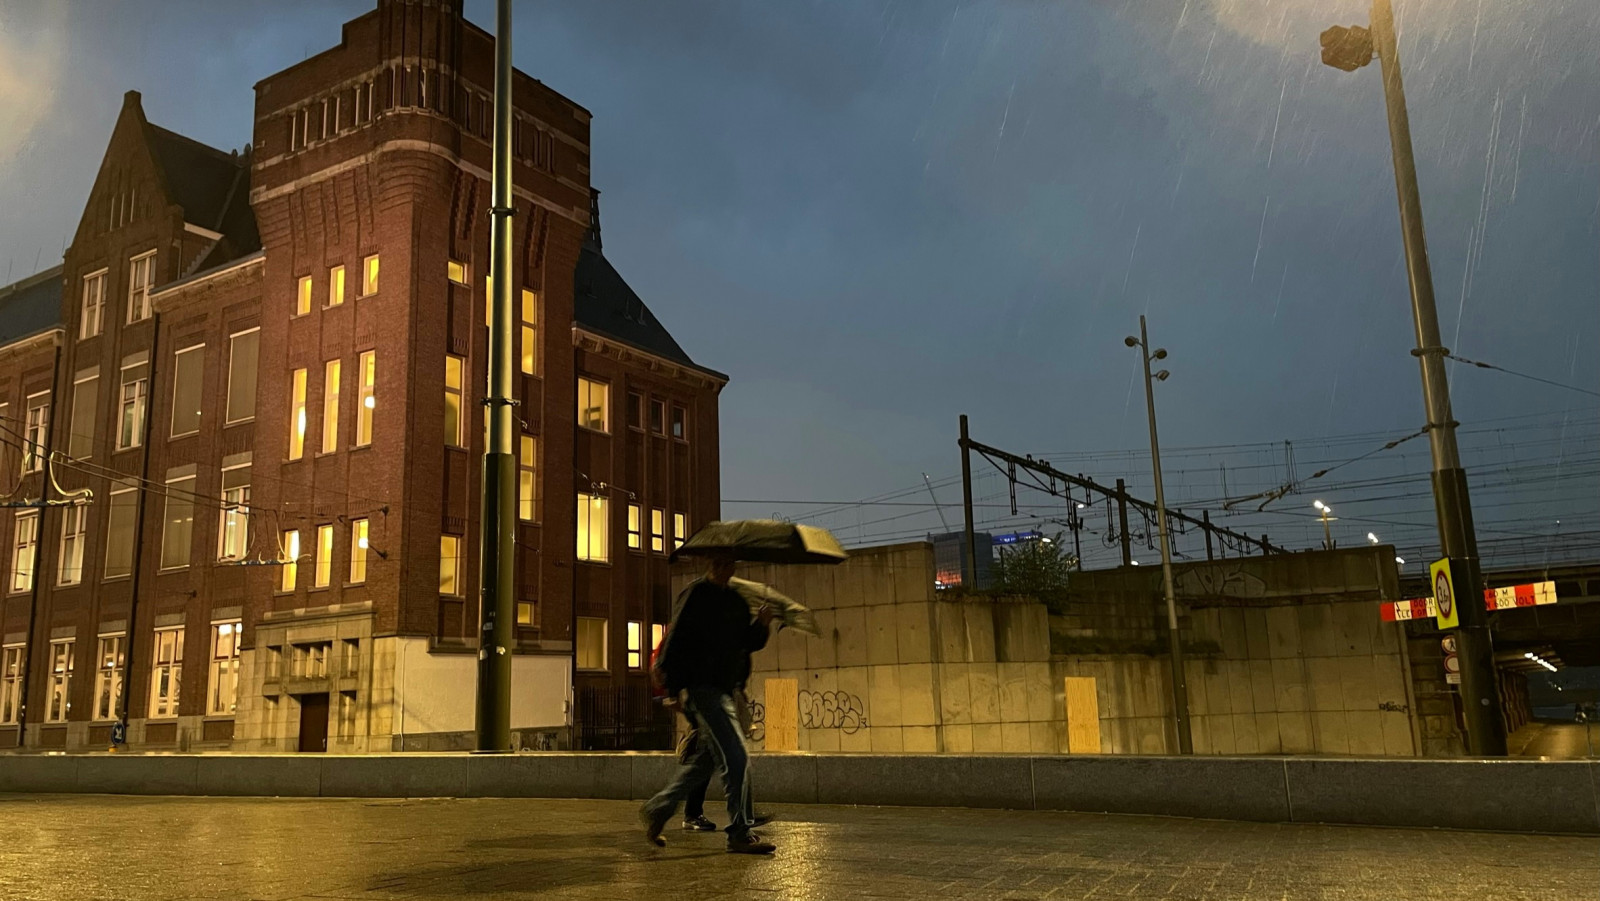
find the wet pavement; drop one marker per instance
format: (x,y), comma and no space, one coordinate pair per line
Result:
(82,847)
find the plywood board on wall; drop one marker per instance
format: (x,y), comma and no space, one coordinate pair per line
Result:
(782,715)
(1083,715)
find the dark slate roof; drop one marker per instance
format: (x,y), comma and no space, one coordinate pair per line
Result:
(603,303)
(213,188)
(30,306)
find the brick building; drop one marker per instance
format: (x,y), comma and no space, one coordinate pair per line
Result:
(257,374)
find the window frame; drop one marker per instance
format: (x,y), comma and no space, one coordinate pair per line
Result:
(74,514)
(459,392)
(322,561)
(36,432)
(658,424)
(635,644)
(528,478)
(75,427)
(177,370)
(304,293)
(680,529)
(588,396)
(366,395)
(142,292)
(164,705)
(369,275)
(108,679)
(635,411)
(236,507)
(332,376)
(678,423)
(233,352)
(596,505)
(336,287)
(11,683)
(635,528)
(167,520)
(457,588)
(98,279)
(130,434)
(457,272)
(658,530)
(528,332)
(131,508)
(360,541)
(223,669)
(297,413)
(14,577)
(60,684)
(289,560)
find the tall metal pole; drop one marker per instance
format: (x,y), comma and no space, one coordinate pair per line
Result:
(1180,683)
(1480,696)
(969,547)
(497,538)
(1122,523)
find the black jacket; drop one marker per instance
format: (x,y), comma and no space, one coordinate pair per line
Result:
(711,640)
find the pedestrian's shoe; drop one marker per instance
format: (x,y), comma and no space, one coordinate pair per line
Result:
(654,822)
(749,843)
(698,824)
(761,819)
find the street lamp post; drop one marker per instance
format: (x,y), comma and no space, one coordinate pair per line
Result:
(1327,517)
(1350,49)
(1180,685)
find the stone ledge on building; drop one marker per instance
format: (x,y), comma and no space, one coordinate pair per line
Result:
(1498,795)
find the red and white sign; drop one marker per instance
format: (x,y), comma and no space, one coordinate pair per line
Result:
(1533,595)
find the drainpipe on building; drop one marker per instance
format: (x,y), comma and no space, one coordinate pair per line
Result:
(38,543)
(138,534)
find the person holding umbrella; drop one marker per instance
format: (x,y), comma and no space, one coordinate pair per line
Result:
(706,660)
(702,664)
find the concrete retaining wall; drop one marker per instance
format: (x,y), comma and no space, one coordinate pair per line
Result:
(1506,795)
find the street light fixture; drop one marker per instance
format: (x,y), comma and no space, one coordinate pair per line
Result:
(1180,687)
(1349,49)
(1327,517)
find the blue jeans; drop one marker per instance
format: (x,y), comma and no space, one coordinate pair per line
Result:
(721,747)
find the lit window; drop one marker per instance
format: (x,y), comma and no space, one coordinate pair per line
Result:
(24,549)
(233,540)
(528,479)
(60,700)
(85,401)
(297,415)
(335,286)
(633,528)
(119,531)
(74,526)
(141,278)
(135,397)
(322,575)
(166,672)
(450,565)
(291,560)
(37,431)
(223,674)
(457,271)
(108,676)
(10,684)
(366,397)
(680,530)
(453,377)
(188,381)
(302,302)
(657,632)
(92,318)
(594,528)
(678,425)
(369,276)
(658,530)
(591,643)
(526,617)
(177,534)
(593,401)
(530,331)
(243,351)
(358,550)
(330,407)
(658,417)
(635,645)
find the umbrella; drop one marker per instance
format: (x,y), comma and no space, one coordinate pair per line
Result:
(764,541)
(791,613)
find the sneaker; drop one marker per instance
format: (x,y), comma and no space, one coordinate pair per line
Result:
(698,824)
(654,822)
(749,843)
(761,819)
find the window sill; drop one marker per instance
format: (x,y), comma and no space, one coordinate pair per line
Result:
(316,588)
(183,435)
(594,562)
(361,584)
(219,717)
(599,672)
(127,578)
(171,569)
(606,432)
(234,422)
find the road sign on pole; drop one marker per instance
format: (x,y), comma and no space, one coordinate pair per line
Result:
(1452,663)
(1444,595)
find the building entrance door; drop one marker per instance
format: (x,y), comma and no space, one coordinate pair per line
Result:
(314,723)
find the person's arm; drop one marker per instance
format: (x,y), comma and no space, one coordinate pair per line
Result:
(758,634)
(683,642)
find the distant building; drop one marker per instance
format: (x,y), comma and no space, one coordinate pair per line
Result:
(950,560)
(265,367)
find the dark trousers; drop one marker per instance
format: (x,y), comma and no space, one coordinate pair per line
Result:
(721,747)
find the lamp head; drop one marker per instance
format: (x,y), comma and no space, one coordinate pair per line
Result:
(1161,353)
(1131,341)
(1162,375)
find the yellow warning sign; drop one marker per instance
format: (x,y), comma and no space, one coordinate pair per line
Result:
(1444,595)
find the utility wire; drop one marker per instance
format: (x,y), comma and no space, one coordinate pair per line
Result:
(1521,375)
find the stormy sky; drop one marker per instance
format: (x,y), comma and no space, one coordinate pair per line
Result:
(876,215)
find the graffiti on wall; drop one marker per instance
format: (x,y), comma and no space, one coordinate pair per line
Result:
(832,710)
